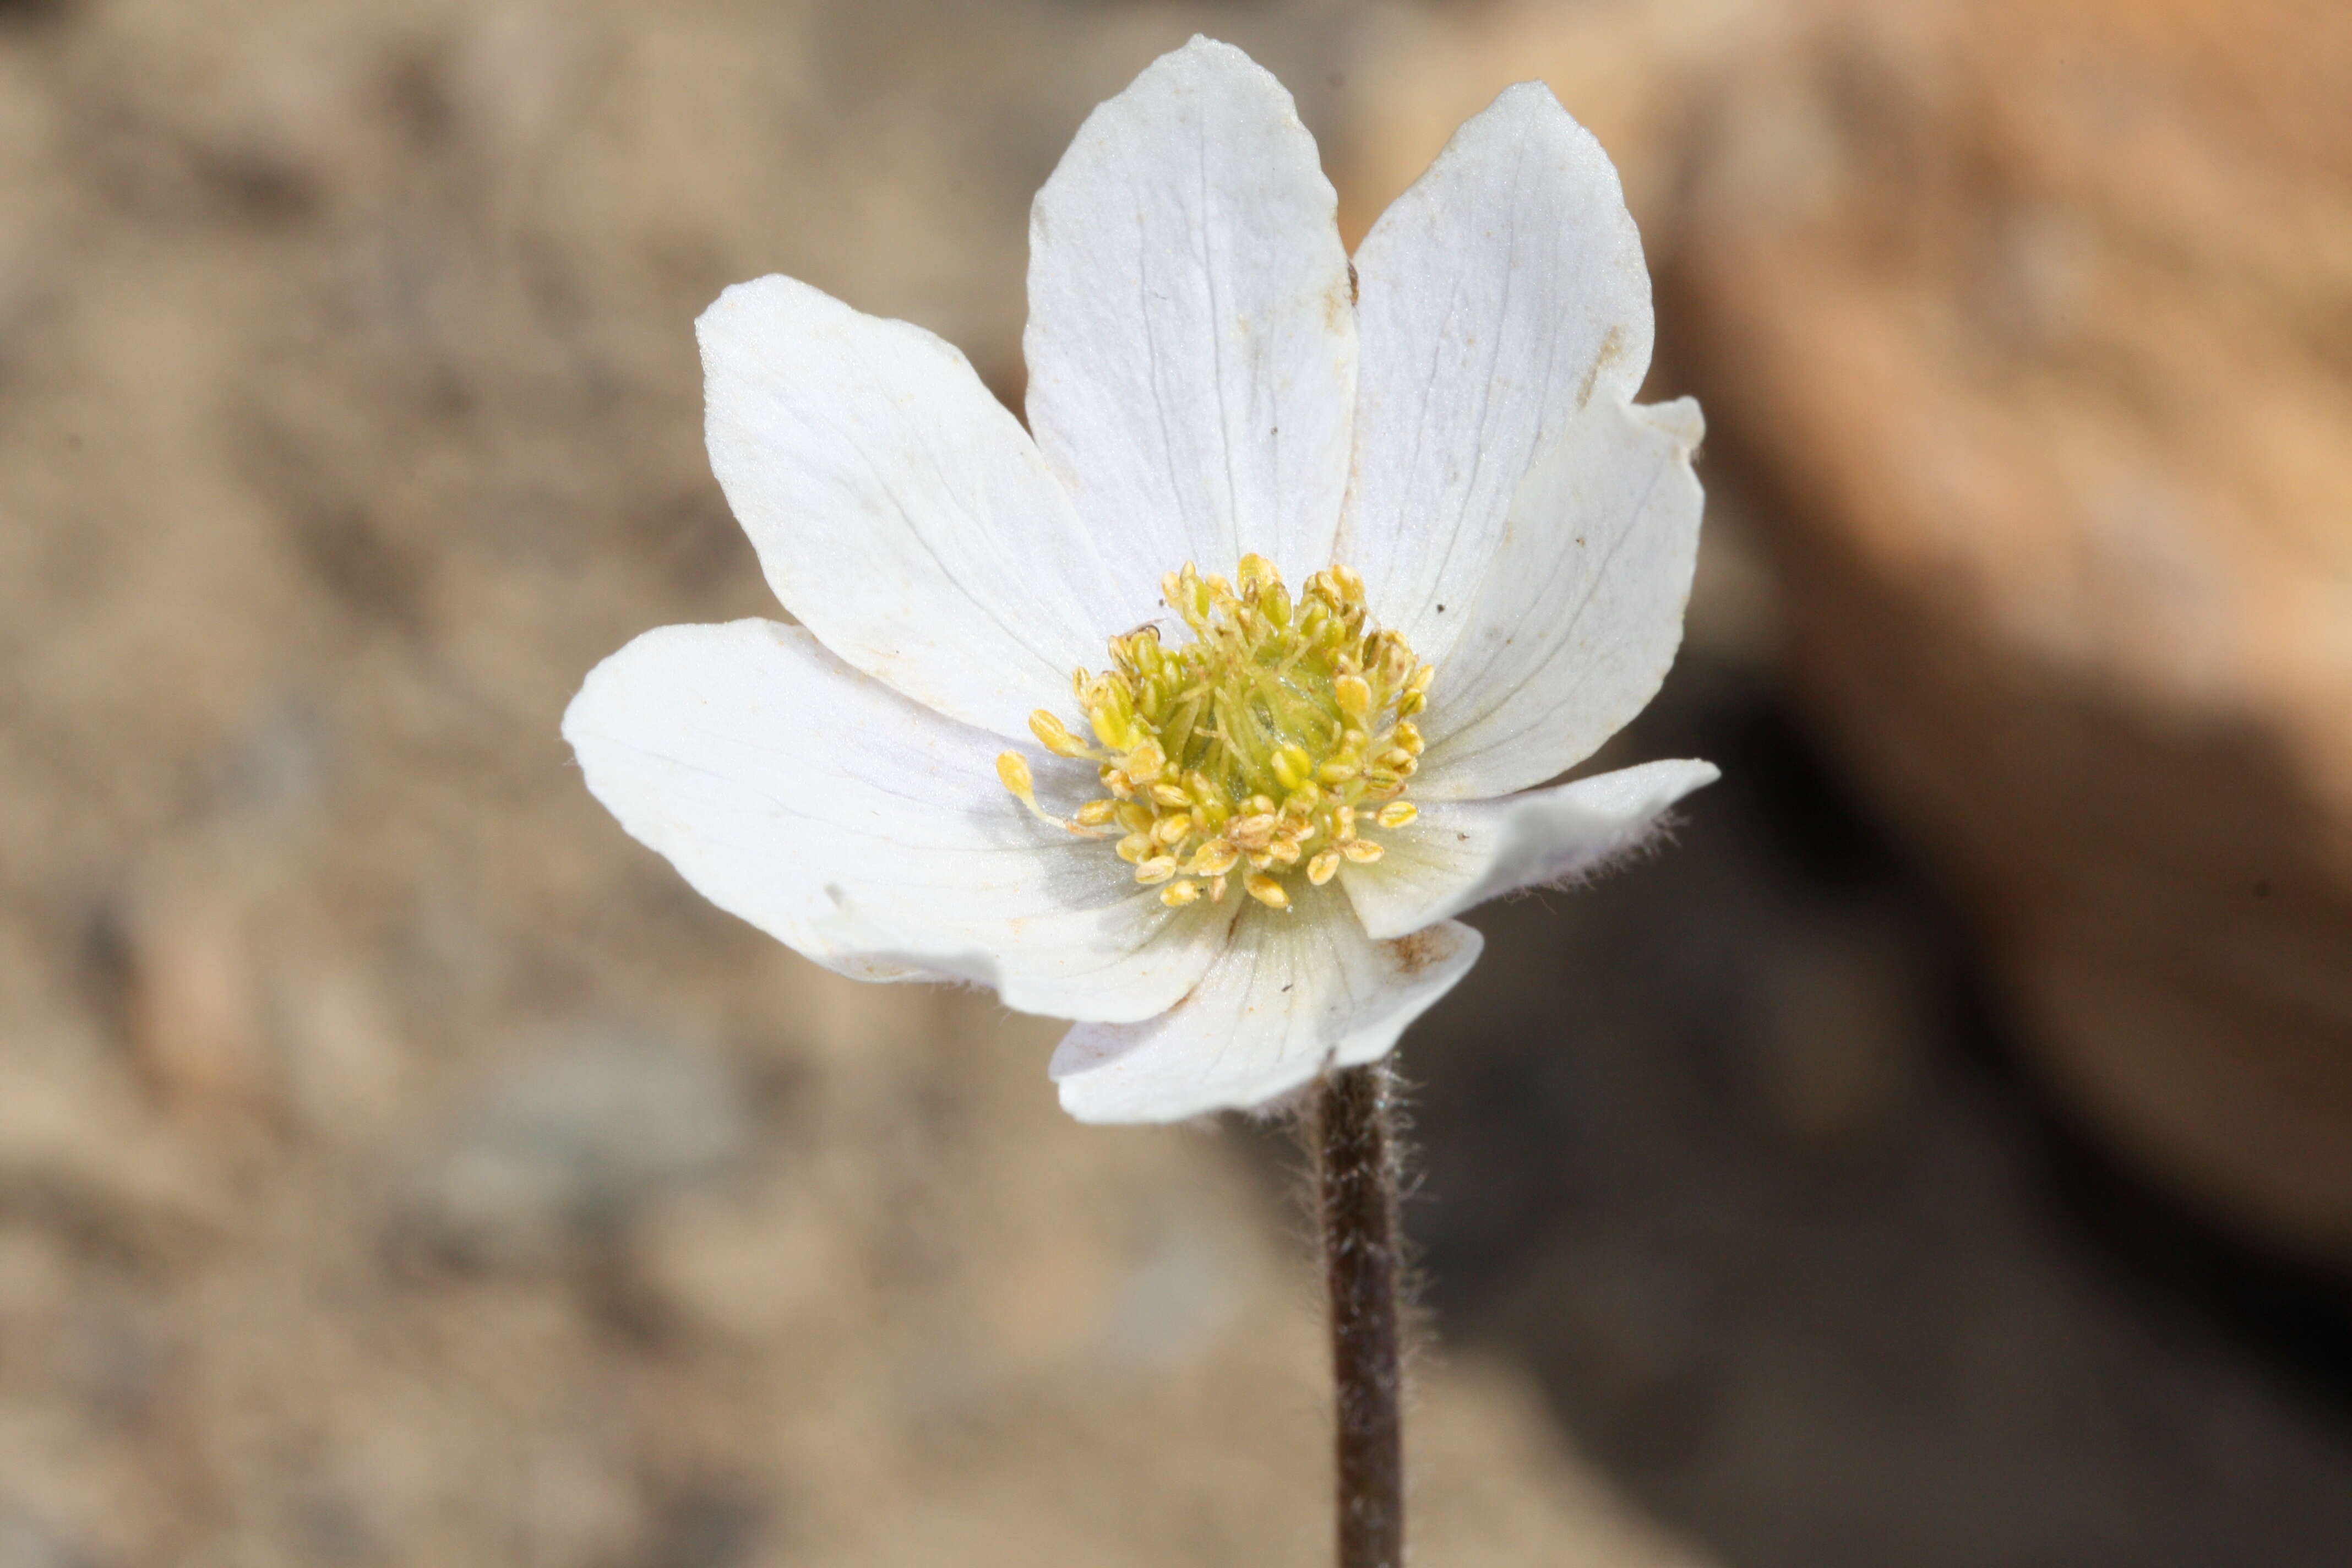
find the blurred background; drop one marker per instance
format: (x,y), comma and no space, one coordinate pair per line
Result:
(1940,1156)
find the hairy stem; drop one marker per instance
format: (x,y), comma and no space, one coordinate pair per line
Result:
(1356,1194)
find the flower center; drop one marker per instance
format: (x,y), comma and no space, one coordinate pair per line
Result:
(1267,745)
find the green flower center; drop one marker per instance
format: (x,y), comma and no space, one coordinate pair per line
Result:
(1266,745)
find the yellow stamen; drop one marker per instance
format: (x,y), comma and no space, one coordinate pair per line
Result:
(1253,832)
(1283,722)
(1012,773)
(1055,737)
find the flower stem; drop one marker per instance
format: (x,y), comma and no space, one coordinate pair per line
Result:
(1356,1194)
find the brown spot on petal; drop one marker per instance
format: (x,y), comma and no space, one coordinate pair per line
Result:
(1612,348)
(1337,306)
(1413,953)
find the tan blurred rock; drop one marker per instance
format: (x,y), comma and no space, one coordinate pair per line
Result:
(2028,321)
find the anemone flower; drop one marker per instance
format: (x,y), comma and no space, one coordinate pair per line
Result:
(1195,711)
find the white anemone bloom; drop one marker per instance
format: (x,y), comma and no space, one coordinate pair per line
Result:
(1331,564)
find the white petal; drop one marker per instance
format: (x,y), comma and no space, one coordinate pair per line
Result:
(1191,343)
(1580,617)
(864,830)
(1295,996)
(899,511)
(1458,855)
(1497,296)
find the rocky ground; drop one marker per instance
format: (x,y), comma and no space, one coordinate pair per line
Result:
(398,1166)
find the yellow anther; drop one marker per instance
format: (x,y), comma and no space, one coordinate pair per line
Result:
(1111,710)
(1337,772)
(1354,695)
(1321,870)
(1397,813)
(1117,784)
(1145,762)
(1292,766)
(1134,848)
(1409,738)
(1253,831)
(1170,795)
(1284,851)
(1419,685)
(1397,760)
(1171,829)
(1096,813)
(1055,737)
(1214,858)
(1012,773)
(1133,816)
(1267,891)
(1343,823)
(1159,869)
(1362,851)
(1176,895)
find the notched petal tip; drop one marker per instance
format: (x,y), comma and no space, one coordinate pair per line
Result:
(1201,62)
(1680,421)
(1203,52)
(1532,107)
(1533,96)
(738,301)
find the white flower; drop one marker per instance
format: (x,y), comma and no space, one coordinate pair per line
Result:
(1250,877)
